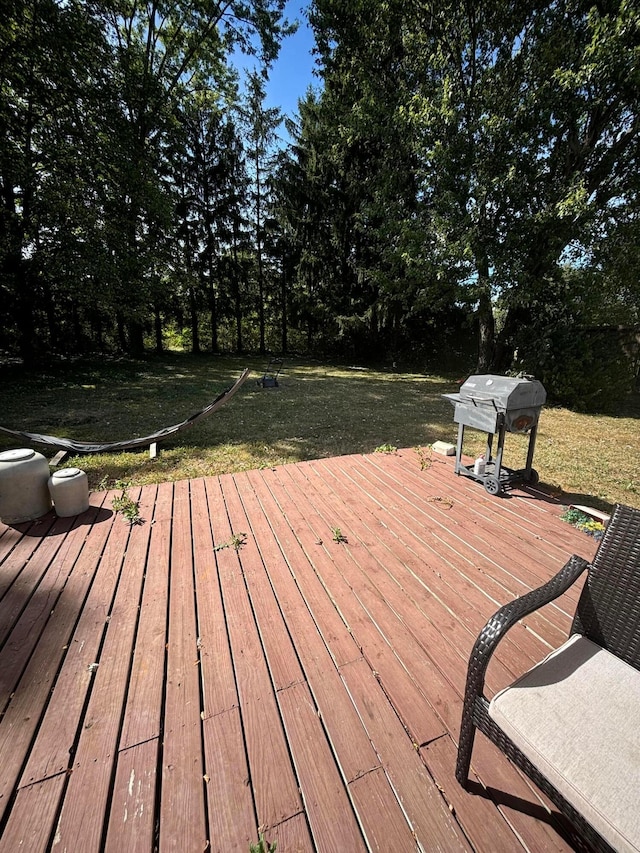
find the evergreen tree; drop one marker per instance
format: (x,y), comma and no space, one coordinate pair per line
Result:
(260,125)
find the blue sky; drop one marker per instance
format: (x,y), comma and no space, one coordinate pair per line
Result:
(291,74)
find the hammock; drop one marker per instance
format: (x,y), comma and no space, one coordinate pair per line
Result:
(113,446)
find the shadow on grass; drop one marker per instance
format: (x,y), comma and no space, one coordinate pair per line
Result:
(318,410)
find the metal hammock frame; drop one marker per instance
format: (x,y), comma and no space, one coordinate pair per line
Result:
(78,447)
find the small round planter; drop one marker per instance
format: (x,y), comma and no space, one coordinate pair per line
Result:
(69,491)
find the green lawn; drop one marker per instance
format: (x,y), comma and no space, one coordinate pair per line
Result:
(317,410)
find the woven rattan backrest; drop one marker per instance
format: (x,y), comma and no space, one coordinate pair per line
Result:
(609,607)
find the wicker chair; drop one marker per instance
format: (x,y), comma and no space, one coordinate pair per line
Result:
(571,723)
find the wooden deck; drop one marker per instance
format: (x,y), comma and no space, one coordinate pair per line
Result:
(163,690)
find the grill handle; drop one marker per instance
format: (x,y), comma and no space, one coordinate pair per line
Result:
(476,400)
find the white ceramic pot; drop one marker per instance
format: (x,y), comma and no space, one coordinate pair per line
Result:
(69,491)
(23,486)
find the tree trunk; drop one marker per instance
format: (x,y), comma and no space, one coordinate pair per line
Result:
(516,318)
(122,337)
(213,309)
(195,332)
(15,272)
(283,282)
(486,332)
(157,325)
(24,319)
(236,292)
(80,344)
(98,331)
(136,338)
(50,310)
(259,258)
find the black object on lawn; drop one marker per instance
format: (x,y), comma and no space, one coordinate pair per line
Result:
(270,378)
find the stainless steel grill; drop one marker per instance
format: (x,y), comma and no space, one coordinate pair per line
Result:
(498,404)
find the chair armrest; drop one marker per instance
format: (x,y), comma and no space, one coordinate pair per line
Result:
(507,616)
(475,706)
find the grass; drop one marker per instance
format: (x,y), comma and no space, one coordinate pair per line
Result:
(318,410)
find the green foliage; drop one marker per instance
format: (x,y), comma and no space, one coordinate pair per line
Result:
(263,846)
(125,505)
(584,360)
(458,180)
(449,161)
(338,536)
(583,522)
(584,369)
(236,541)
(386,448)
(94,157)
(425,456)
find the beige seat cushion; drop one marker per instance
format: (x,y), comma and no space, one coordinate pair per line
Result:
(576,716)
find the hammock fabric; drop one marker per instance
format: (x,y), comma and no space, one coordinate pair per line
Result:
(113,446)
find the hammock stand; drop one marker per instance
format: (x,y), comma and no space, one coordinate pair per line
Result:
(67,445)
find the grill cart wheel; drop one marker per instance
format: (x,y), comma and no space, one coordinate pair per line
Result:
(493,485)
(533,477)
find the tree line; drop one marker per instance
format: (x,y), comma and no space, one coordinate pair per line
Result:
(463,178)
(131,171)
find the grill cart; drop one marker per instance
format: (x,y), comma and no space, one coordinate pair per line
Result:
(497,405)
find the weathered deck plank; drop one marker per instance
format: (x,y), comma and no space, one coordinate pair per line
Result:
(57,616)
(143,708)
(333,823)
(428,813)
(232,818)
(437,534)
(424,577)
(54,747)
(131,817)
(315,535)
(276,793)
(382,599)
(170,687)
(32,819)
(344,729)
(183,821)
(94,756)
(444,574)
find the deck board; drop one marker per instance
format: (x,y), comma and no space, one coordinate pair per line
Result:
(58,730)
(403,627)
(130,822)
(232,819)
(143,708)
(31,822)
(94,753)
(183,822)
(428,813)
(331,563)
(437,534)
(276,793)
(314,663)
(168,687)
(284,665)
(326,799)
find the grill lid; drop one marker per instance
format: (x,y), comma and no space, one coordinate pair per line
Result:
(503,392)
